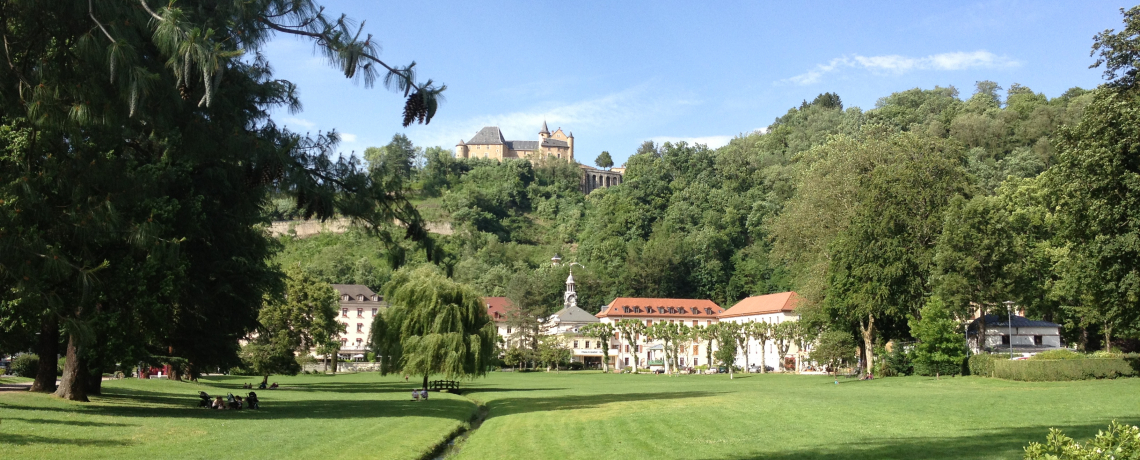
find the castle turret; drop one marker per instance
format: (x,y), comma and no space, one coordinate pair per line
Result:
(545,133)
(570,140)
(461,149)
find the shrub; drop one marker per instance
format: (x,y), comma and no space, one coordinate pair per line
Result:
(981,364)
(26,365)
(576,366)
(1064,369)
(1058,354)
(897,362)
(1119,441)
(940,347)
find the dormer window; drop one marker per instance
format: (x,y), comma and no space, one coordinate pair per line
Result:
(374,298)
(360,297)
(344,297)
(625,309)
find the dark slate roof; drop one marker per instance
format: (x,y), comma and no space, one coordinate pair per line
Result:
(522,145)
(545,130)
(575,315)
(1003,321)
(489,135)
(548,142)
(354,292)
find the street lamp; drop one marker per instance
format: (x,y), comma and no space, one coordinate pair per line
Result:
(1009,310)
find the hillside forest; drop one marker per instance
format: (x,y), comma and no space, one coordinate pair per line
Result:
(865,213)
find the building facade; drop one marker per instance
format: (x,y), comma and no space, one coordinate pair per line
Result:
(490,143)
(647,352)
(1025,335)
(566,322)
(594,178)
(358,306)
(771,309)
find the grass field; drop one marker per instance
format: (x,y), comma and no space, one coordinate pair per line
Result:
(572,415)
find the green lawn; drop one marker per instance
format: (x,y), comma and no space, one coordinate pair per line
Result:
(571,415)
(344,416)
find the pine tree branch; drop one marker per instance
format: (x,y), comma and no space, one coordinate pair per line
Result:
(148,10)
(91,11)
(325,38)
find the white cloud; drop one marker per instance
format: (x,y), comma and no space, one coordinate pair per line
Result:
(299,121)
(634,106)
(348,137)
(896,64)
(711,142)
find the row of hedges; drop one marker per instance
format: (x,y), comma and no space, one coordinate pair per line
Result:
(1044,370)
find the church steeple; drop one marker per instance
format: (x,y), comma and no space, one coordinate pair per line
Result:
(570,298)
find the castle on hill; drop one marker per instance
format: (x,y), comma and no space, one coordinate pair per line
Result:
(490,143)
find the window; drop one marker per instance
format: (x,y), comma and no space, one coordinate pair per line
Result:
(344,312)
(648,322)
(343,342)
(575,344)
(359,312)
(359,327)
(694,323)
(359,341)
(708,322)
(670,321)
(1037,340)
(588,344)
(627,350)
(627,362)
(696,349)
(1005,340)
(639,348)
(695,361)
(373,312)
(508,329)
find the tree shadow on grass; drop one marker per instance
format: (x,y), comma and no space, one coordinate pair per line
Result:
(508,406)
(27,439)
(64,422)
(985,444)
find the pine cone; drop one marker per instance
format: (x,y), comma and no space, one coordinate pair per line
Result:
(415,110)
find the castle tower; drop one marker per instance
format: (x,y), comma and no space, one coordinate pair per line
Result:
(545,133)
(570,140)
(570,298)
(461,149)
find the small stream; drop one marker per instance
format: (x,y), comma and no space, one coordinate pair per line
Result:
(455,442)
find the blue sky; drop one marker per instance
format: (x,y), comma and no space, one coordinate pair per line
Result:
(619,73)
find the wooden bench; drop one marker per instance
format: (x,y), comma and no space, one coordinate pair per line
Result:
(440,385)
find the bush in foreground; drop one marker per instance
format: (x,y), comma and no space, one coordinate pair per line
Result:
(1119,442)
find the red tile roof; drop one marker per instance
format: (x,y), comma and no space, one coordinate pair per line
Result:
(497,307)
(764,304)
(669,308)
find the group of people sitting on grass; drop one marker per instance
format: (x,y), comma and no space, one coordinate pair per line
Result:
(230,403)
(260,386)
(418,394)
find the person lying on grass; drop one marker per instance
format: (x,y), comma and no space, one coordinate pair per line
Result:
(274,386)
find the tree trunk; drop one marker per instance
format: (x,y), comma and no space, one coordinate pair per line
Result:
(730,376)
(982,330)
(868,332)
(763,356)
(746,347)
(1107,337)
(94,382)
(72,385)
(709,354)
(425,382)
(327,359)
(605,360)
(265,380)
(48,350)
(335,363)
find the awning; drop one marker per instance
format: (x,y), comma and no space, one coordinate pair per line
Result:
(357,356)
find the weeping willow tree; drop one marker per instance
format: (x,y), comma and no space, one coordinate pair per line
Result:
(435,326)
